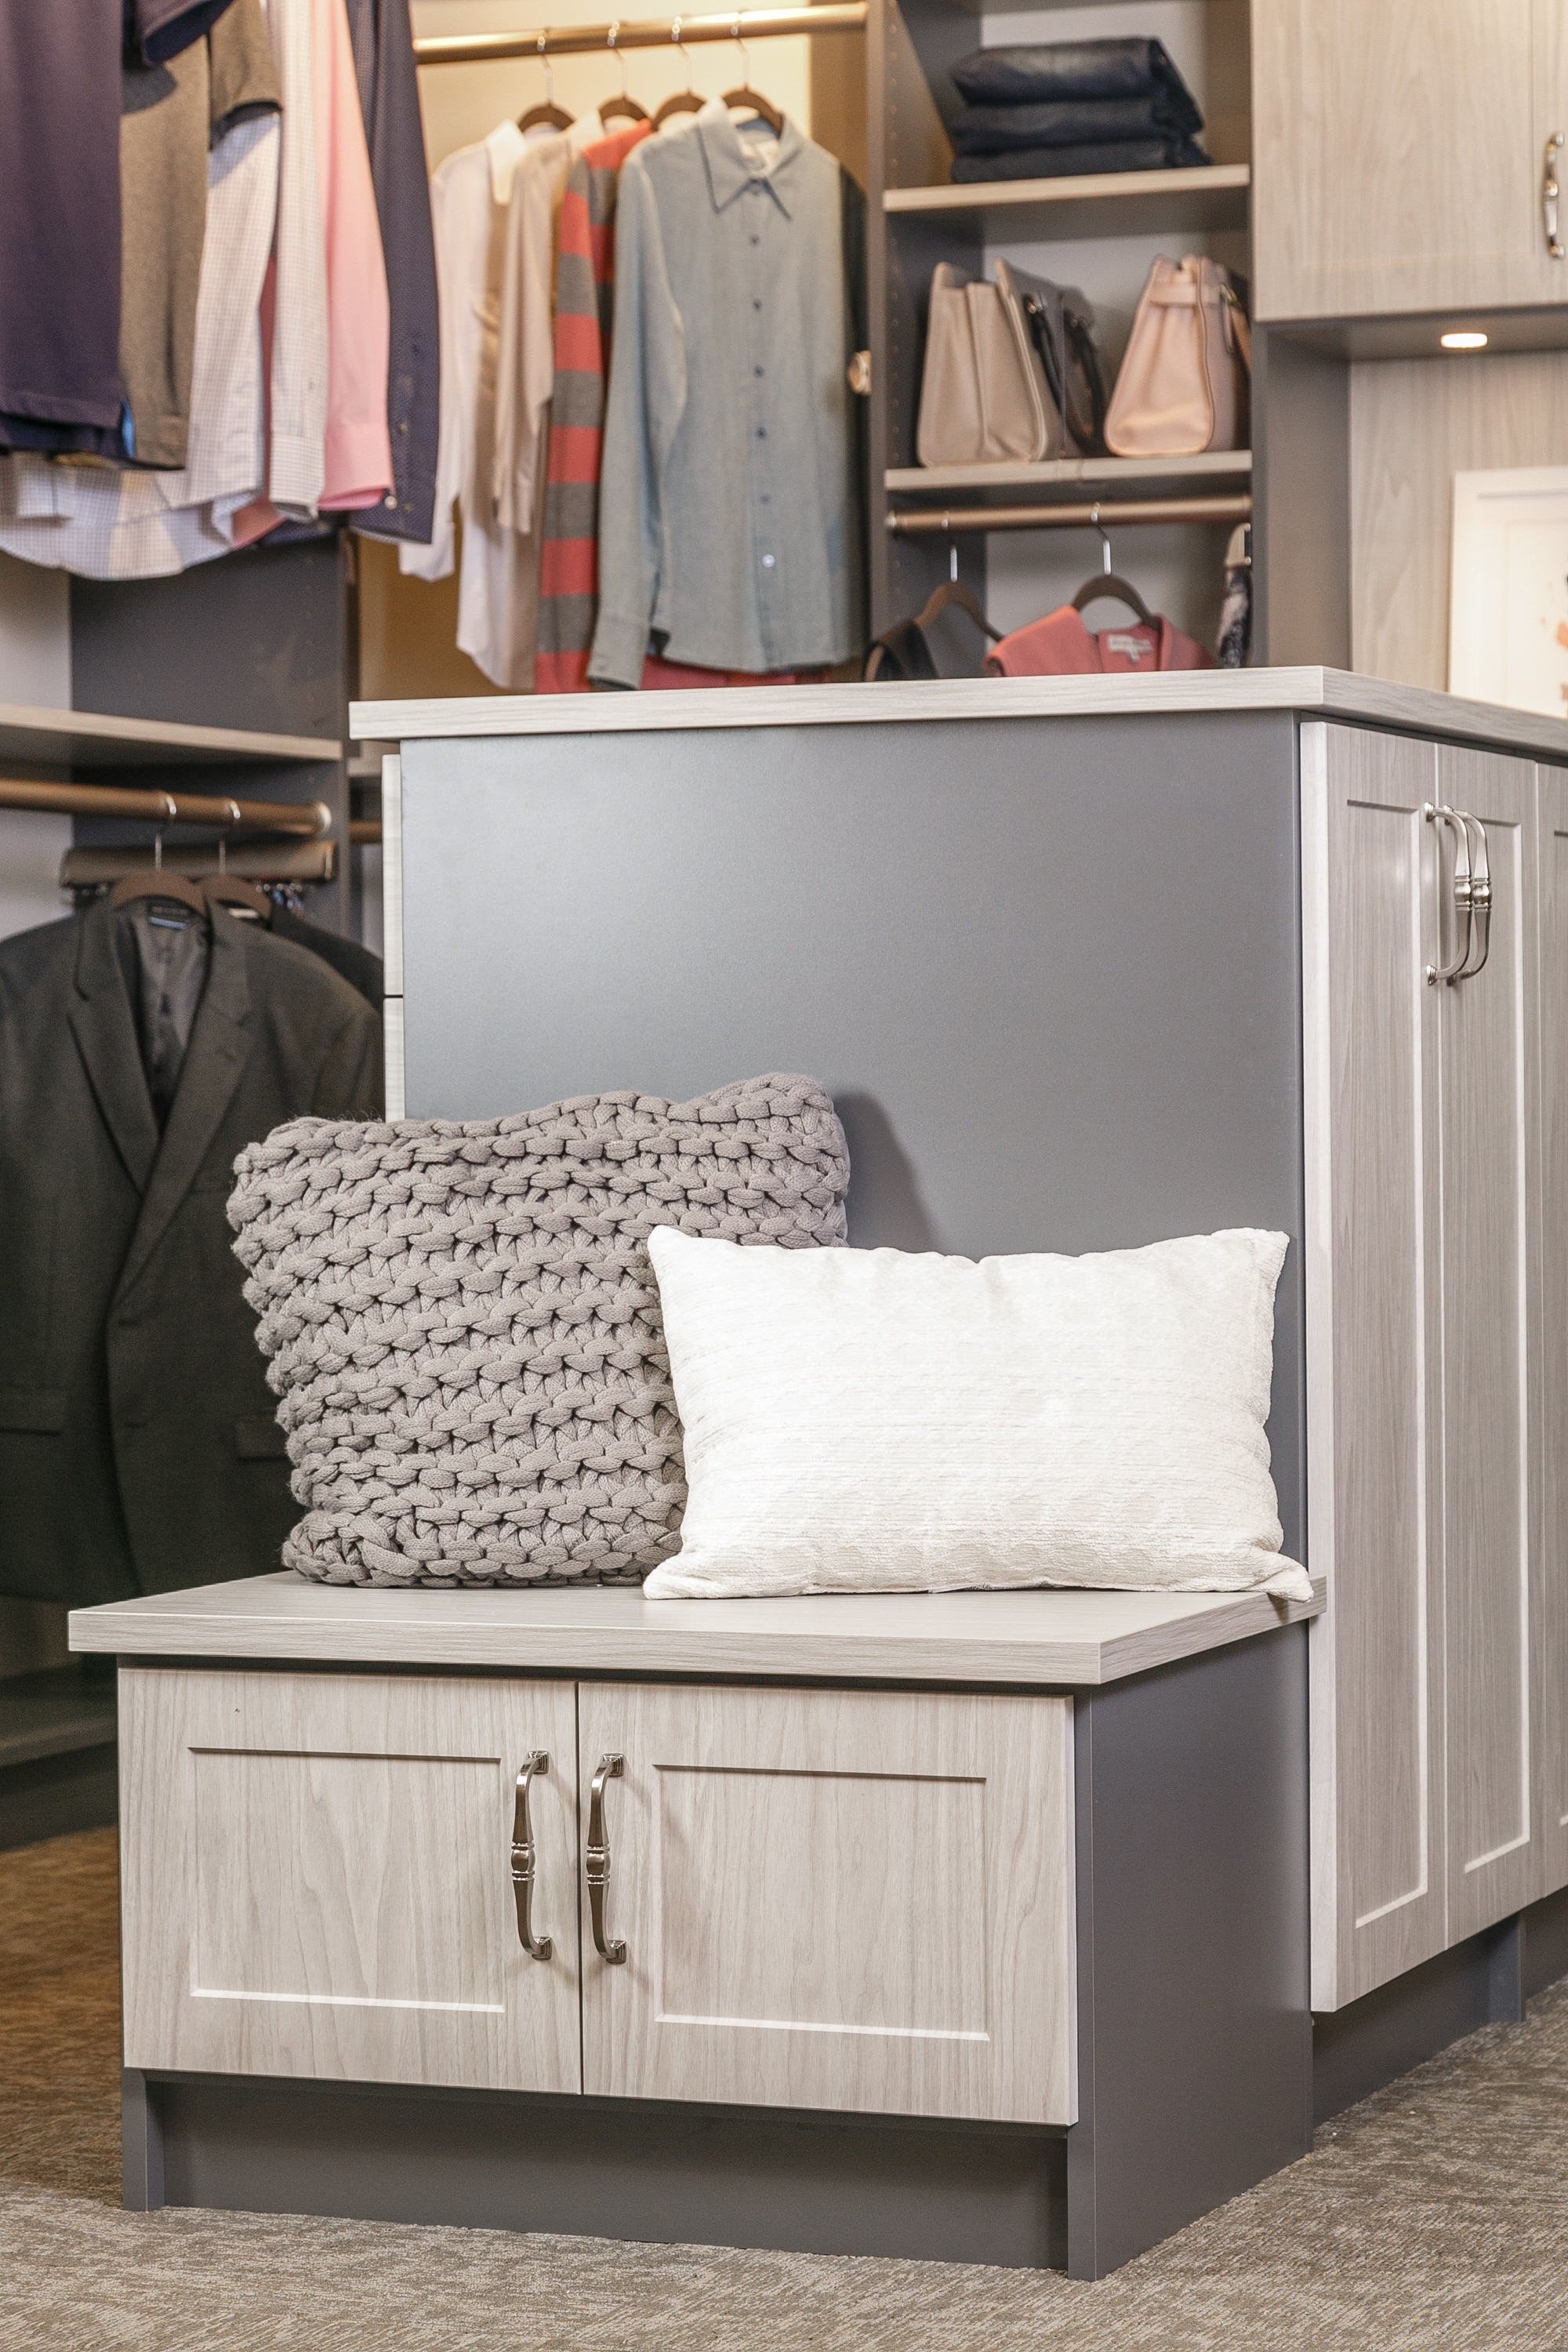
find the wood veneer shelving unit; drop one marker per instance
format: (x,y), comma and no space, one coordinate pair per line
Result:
(1099,232)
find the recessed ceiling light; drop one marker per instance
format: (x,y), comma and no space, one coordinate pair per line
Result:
(1470,340)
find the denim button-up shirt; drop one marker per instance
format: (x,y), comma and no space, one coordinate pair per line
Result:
(729,510)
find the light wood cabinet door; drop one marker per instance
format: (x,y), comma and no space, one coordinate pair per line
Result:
(1551,1354)
(1375,1304)
(1397,154)
(852,1900)
(1489,1085)
(315,1877)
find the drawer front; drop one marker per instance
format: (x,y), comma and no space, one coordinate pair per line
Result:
(316,1878)
(851,1900)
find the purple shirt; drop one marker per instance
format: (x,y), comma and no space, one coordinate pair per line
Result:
(59,217)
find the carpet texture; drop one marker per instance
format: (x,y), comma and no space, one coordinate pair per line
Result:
(1432,2219)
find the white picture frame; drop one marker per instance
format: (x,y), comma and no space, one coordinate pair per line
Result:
(1508,598)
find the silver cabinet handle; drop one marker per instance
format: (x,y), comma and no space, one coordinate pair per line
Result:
(1549,192)
(1480,895)
(1472,896)
(1440,974)
(597,1858)
(525,1859)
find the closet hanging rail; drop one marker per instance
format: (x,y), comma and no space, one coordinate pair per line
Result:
(947,522)
(313,820)
(649,32)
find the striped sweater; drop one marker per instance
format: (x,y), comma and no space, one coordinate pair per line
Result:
(585,304)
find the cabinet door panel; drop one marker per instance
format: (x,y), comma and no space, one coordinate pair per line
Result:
(1551,1351)
(1488,1063)
(1374,1305)
(1396,156)
(315,1875)
(855,1900)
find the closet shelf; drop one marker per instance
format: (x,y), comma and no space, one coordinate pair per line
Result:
(87,739)
(1113,478)
(1101,203)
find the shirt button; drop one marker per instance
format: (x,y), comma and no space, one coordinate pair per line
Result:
(756,370)
(390,500)
(762,432)
(403,424)
(767,562)
(756,240)
(756,306)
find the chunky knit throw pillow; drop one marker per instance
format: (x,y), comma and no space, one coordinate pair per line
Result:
(463,1323)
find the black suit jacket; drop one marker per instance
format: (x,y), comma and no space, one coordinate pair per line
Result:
(138,1446)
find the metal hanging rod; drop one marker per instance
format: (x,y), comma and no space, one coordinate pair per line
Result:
(948,522)
(649,32)
(277,861)
(311,819)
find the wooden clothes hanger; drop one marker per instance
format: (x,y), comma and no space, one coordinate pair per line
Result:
(548,117)
(746,98)
(152,882)
(226,889)
(1106,582)
(625,106)
(953,592)
(685,101)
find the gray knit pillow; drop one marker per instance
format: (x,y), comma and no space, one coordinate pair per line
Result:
(463,1323)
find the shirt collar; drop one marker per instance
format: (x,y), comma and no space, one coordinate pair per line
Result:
(729,169)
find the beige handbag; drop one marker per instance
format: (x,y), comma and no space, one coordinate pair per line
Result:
(983,395)
(1187,376)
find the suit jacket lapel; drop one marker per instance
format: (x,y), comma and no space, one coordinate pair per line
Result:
(101,1017)
(209,1074)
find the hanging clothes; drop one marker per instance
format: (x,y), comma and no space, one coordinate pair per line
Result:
(359,966)
(131,525)
(157,30)
(139,1450)
(1061,647)
(383,41)
(497,580)
(525,337)
(357,450)
(294,303)
(730,530)
(59,222)
(585,302)
(165,112)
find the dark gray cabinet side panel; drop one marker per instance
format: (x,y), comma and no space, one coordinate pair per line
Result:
(1049,969)
(1194,2037)
(264,640)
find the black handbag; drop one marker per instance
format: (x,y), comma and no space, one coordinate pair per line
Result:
(1062,329)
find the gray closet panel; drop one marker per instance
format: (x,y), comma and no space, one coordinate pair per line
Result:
(989,942)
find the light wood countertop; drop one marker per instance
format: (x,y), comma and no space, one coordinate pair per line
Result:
(1313,693)
(1030,1638)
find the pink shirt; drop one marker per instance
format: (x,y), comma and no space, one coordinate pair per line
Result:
(1060,646)
(358,444)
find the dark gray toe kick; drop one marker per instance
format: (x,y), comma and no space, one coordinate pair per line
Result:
(627,2169)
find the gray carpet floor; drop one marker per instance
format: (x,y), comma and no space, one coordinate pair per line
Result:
(1435,2215)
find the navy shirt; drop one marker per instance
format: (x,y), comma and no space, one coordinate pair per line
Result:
(389,99)
(59,221)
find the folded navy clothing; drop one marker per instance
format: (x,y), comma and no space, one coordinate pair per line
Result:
(1069,70)
(1067,123)
(1174,154)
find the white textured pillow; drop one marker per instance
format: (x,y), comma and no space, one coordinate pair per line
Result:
(864,1421)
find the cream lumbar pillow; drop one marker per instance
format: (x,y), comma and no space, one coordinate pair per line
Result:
(873,1421)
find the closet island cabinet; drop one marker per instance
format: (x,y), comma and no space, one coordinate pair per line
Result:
(1403,157)
(879,1923)
(859,1900)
